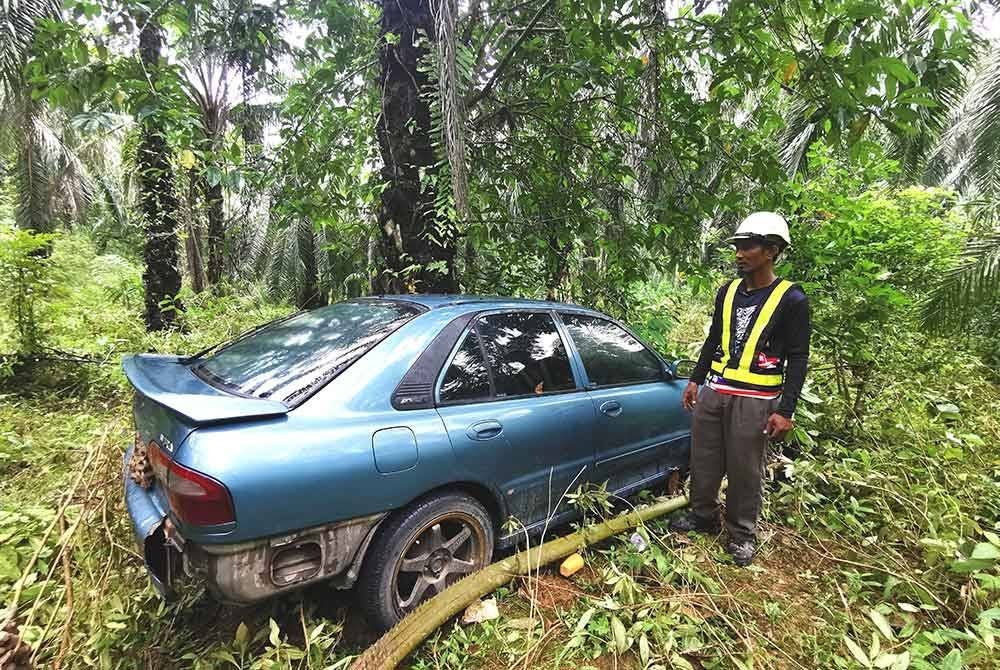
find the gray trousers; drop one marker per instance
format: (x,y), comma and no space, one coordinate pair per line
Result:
(727,438)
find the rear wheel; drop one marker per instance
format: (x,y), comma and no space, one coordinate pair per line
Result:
(422,550)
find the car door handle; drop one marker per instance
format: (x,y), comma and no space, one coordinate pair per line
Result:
(611,408)
(484,430)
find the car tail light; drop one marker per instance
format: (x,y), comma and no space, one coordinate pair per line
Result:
(196,499)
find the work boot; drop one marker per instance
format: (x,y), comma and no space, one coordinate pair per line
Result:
(742,552)
(689,522)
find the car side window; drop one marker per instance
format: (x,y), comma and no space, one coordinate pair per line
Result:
(610,355)
(525,353)
(467,378)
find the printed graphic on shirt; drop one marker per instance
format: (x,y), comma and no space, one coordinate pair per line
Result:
(743,317)
(765,362)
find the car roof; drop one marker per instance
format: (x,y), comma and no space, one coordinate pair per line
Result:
(481,302)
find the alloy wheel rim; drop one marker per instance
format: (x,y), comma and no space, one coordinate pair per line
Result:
(440,553)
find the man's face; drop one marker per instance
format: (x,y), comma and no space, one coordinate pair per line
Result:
(752,255)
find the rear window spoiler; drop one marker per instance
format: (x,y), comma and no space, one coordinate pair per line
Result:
(167,381)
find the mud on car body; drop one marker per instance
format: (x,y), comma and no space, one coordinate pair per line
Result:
(386,441)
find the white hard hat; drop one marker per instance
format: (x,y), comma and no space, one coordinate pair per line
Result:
(762,224)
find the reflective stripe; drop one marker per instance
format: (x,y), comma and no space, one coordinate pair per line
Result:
(752,377)
(758,378)
(742,372)
(727,324)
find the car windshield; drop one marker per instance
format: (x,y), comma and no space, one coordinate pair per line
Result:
(287,360)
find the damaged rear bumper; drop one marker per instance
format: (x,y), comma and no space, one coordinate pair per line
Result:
(147,516)
(247,572)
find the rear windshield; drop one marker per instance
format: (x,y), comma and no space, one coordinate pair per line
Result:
(287,360)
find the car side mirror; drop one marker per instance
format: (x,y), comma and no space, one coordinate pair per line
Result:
(679,369)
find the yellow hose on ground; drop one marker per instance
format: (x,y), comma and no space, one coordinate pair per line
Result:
(405,636)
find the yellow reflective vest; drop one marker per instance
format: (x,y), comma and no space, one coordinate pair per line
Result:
(740,371)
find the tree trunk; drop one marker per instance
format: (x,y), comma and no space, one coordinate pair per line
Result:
(407,216)
(309,295)
(158,204)
(216,232)
(559,266)
(192,242)
(649,141)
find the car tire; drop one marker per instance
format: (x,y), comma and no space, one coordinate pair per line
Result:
(419,551)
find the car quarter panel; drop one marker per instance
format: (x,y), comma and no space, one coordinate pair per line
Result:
(317,464)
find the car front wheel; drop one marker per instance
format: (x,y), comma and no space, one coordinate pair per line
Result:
(420,551)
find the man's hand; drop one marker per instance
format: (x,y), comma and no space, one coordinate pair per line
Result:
(690,396)
(778,426)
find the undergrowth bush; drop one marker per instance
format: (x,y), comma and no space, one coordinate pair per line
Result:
(914,486)
(29,277)
(90,315)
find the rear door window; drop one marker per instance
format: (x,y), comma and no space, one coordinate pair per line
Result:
(525,354)
(467,378)
(610,355)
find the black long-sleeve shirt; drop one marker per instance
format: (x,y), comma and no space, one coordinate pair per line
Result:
(787,340)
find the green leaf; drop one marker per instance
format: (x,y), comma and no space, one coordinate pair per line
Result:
(953,661)
(986,551)
(810,397)
(832,30)
(896,68)
(857,652)
(242,635)
(581,624)
(213,175)
(885,660)
(882,624)
(621,636)
(644,650)
(680,662)
(275,635)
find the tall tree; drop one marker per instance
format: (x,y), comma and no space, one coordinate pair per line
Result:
(157,198)
(418,250)
(968,158)
(22,125)
(208,87)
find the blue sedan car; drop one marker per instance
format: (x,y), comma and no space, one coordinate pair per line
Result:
(387,441)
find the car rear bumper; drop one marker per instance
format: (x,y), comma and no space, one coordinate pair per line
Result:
(246,572)
(147,526)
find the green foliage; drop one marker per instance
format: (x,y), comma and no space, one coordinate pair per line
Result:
(28,275)
(609,148)
(863,251)
(969,291)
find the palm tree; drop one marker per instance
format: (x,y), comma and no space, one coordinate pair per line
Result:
(968,158)
(157,198)
(26,128)
(207,85)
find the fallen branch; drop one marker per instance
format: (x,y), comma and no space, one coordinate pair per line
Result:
(405,636)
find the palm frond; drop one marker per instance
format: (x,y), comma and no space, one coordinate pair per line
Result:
(967,156)
(795,139)
(964,289)
(33,175)
(253,118)
(18,19)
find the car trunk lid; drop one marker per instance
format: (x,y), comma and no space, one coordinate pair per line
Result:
(171,401)
(170,382)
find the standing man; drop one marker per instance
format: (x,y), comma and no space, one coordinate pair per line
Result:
(755,361)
